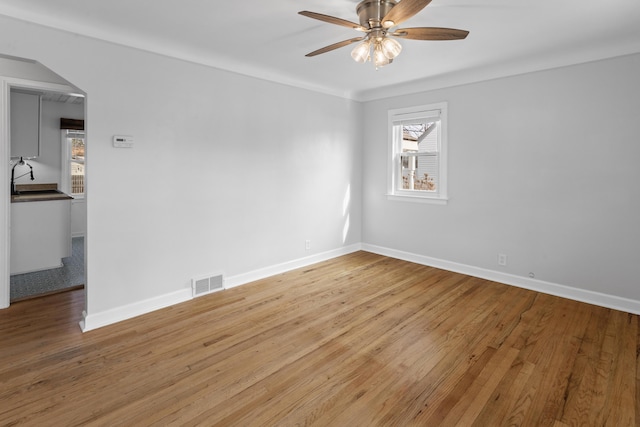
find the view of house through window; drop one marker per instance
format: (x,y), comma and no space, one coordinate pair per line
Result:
(418,152)
(419,156)
(76,143)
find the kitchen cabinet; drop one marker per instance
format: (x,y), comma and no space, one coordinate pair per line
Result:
(25,124)
(40,234)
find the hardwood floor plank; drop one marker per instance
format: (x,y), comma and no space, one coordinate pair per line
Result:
(482,388)
(506,321)
(583,401)
(358,340)
(561,345)
(619,353)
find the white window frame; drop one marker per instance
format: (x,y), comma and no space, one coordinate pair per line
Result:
(394,170)
(65,180)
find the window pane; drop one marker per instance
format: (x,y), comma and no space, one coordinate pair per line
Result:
(77,178)
(77,148)
(419,156)
(77,164)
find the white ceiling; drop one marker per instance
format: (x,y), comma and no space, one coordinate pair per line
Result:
(268,39)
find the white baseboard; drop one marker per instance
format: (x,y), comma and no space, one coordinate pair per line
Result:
(262,273)
(97,320)
(118,314)
(582,295)
(50,267)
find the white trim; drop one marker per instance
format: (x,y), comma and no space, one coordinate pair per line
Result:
(252,276)
(65,162)
(409,115)
(118,314)
(418,199)
(582,295)
(65,168)
(5,197)
(18,83)
(6,84)
(437,110)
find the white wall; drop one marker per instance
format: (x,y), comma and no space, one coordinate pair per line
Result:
(228,174)
(543,167)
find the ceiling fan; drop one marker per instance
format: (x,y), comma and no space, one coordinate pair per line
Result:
(378,19)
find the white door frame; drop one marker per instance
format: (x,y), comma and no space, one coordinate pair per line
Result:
(6,84)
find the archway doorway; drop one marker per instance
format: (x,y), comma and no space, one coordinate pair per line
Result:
(57,97)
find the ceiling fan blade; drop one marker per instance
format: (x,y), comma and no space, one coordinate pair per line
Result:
(335,46)
(402,11)
(333,20)
(430,33)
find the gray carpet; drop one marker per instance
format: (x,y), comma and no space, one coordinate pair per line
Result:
(41,282)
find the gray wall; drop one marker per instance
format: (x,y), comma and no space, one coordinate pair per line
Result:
(543,167)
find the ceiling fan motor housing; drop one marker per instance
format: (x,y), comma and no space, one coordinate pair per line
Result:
(371,12)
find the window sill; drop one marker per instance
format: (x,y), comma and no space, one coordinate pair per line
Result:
(418,199)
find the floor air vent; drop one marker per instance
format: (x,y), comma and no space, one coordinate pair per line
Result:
(206,285)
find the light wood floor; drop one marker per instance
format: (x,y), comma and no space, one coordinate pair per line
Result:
(361,340)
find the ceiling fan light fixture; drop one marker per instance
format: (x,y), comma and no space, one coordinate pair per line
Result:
(379,57)
(390,47)
(360,53)
(378,20)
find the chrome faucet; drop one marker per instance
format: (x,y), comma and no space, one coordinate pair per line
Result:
(13,170)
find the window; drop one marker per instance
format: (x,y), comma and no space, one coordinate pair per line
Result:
(73,162)
(417,154)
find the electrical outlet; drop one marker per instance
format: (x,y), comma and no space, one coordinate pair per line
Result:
(502,259)
(307,244)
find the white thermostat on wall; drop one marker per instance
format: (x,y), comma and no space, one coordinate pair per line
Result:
(122,141)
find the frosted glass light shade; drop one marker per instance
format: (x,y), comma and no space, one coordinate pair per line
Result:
(360,53)
(390,47)
(379,58)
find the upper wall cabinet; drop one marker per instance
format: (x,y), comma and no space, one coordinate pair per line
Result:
(25,124)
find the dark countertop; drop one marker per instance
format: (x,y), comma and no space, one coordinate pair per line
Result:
(38,193)
(39,197)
